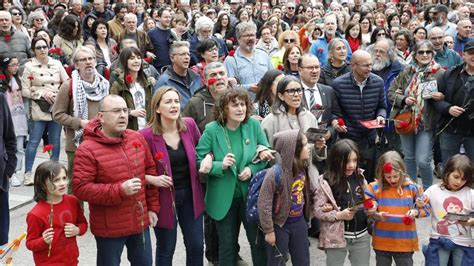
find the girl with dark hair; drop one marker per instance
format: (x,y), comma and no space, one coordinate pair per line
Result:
(420,34)
(87,25)
(56,219)
(69,36)
(366,29)
(103,45)
(40,82)
(207,52)
(267,92)
(405,19)
(353,35)
(378,34)
(340,190)
(239,149)
(290,60)
(393,20)
(134,87)
(11,86)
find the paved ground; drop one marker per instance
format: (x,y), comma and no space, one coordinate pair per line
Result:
(21,203)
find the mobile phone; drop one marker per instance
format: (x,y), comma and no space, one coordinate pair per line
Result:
(314,134)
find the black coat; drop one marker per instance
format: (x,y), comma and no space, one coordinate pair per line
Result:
(7,144)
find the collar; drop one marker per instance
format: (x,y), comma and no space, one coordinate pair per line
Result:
(35,62)
(306,87)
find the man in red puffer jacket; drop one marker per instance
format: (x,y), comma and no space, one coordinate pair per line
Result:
(109,173)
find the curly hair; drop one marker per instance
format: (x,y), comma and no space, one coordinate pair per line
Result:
(221,107)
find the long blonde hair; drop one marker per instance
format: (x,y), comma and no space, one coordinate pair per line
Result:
(398,165)
(155,121)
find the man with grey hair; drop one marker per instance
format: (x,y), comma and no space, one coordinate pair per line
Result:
(13,43)
(444,56)
(204,27)
(78,100)
(131,32)
(464,28)
(247,64)
(178,75)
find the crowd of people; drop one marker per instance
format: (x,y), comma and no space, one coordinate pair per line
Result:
(324,119)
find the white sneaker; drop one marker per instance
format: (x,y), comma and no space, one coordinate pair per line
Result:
(14,181)
(28,179)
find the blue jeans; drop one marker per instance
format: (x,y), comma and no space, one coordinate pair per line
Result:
(418,150)
(451,143)
(54,138)
(293,238)
(456,254)
(193,233)
(109,250)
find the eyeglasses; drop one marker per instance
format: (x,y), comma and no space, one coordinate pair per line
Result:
(311,67)
(13,65)
(39,19)
(16,14)
(381,34)
(289,40)
(117,111)
(293,92)
(41,47)
(85,59)
(422,52)
(290,7)
(213,49)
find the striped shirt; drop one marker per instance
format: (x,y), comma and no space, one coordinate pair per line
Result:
(392,234)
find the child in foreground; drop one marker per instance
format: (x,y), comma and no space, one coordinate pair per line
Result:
(451,237)
(56,220)
(396,202)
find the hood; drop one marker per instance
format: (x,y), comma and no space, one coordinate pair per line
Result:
(94,132)
(284,143)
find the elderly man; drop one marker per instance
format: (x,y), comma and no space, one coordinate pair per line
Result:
(247,65)
(320,47)
(204,27)
(78,100)
(101,12)
(440,19)
(116,25)
(13,43)
(76,9)
(7,166)
(178,75)
(132,8)
(131,32)
(464,31)
(361,97)
(289,16)
(160,38)
(444,56)
(109,177)
(457,108)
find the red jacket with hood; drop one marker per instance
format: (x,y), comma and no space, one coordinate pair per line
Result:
(101,165)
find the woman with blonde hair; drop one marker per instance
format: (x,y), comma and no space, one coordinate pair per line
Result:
(172,140)
(285,40)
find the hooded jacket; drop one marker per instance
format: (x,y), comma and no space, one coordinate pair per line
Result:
(285,144)
(101,165)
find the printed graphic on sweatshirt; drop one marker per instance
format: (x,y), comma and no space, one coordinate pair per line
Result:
(451,228)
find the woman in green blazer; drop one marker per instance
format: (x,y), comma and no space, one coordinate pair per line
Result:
(239,148)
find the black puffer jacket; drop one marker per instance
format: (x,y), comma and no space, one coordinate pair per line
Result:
(357,106)
(330,73)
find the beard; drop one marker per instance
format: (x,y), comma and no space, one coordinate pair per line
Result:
(438,22)
(380,64)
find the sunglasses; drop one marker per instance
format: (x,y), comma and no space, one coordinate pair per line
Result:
(289,40)
(39,19)
(381,34)
(291,8)
(16,14)
(44,47)
(422,52)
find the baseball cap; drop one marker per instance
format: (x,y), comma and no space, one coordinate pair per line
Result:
(469,46)
(440,8)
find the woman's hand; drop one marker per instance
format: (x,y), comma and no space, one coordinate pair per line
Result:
(206,164)
(138,113)
(326,207)
(245,174)
(410,101)
(228,161)
(48,235)
(320,143)
(164,181)
(49,97)
(266,155)
(270,238)
(153,218)
(346,214)
(380,216)
(71,230)
(437,96)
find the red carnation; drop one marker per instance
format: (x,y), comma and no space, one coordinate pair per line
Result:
(403,124)
(2,77)
(136,144)
(159,155)
(48,148)
(368,204)
(148,59)
(231,39)
(129,79)
(30,77)
(340,122)
(52,50)
(231,53)
(280,67)
(408,220)
(211,81)
(320,50)
(8,38)
(434,70)
(387,168)
(59,51)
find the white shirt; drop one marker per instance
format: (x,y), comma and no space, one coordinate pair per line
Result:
(138,94)
(317,96)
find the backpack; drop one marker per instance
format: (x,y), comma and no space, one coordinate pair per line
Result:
(256,182)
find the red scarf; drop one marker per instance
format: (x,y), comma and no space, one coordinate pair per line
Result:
(353,43)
